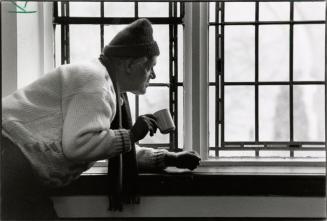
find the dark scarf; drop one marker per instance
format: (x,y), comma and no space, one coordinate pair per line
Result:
(122,169)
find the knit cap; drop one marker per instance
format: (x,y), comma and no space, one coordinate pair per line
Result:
(136,40)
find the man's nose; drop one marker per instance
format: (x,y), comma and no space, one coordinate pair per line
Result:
(153,75)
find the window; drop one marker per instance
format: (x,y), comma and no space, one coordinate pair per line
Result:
(262,93)
(267,79)
(82,29)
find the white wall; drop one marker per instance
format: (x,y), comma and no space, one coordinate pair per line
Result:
(195,206)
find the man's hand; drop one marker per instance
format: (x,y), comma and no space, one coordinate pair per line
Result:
(185,159)
(143,125)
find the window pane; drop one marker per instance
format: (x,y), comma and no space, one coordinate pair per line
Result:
(84,42)
(274,123)
(212,116)
(274,11)
(59,8)
(110,31)
(274,153)
(156,98)
(161,35)
(233,153)
(84,9)
(58,45)
(309,10)
(180,42)
(309,113)
(153,9)
(320,154)
(212,11)
(119,9)
(239,53)
(274,53)
(239,113)
(239,11)
(178,9)
(309,52)
(131,100)
(212,53)
(180,117)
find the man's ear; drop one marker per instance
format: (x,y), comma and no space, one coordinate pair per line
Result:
(132,63)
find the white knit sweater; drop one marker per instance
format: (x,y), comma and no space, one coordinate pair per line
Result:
(61,123)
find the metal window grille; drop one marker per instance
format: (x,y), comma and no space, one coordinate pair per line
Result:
(256,145)
(62,18)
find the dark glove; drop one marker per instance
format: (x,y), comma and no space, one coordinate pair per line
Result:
(143,125)
(185,159)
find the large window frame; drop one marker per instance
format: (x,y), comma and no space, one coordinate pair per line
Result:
(195,21)
(220,85)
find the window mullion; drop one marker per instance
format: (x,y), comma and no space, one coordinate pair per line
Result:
(196,78)
(175,79)
(173,92)
(136,8)
(101,26)
(256,76)
(65,57)
(222,109)
(217,75)
(291,76)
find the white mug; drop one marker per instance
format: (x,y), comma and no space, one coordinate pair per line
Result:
(165,121)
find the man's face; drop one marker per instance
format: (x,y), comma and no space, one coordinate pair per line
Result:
(142,72)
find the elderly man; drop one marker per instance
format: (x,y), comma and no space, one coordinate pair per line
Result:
(57,127)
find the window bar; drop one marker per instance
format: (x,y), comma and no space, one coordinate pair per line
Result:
(238,147)
(67,35)
(291,75)
(182,9)
(108,20)
(55,15)
(175,86)
(101,26)
(269,22)
(256,76)
(136,8)
(172,74)
(219,53)
(276,142)
(216,80)
(62,35)
(275,83)
(171,96)
(65,58)
(55,9)
(222,78)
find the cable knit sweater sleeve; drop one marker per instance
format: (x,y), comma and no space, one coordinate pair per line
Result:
(149,159)
(89,107)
